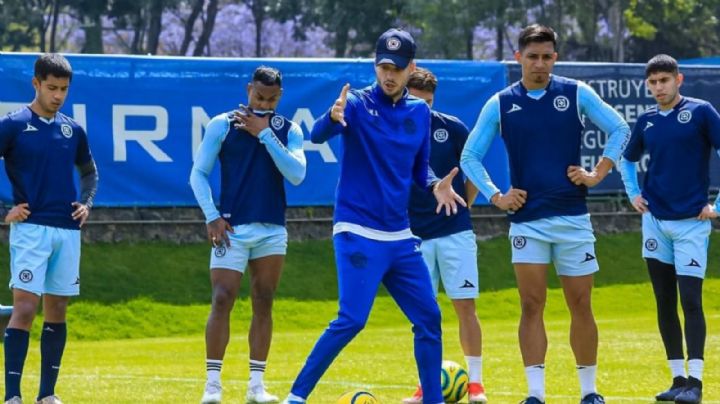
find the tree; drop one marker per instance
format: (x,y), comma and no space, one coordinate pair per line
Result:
(90,13)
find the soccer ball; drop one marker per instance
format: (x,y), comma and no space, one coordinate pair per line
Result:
(454,382)
(358,397)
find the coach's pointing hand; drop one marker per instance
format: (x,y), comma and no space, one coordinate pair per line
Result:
(337,113)
(446,196)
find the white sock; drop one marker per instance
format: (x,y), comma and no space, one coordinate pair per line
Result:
(257,370)
(535,375)
(293,397)
(587,375)
(474,366)
(677,367)
(214,366)
(695,368)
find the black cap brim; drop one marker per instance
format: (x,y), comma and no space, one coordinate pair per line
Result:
(393,59)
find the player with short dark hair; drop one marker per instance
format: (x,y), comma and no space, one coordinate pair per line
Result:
(258,149)
(678,134)
(386,146)
(448,242)
(540,119)
(42,148)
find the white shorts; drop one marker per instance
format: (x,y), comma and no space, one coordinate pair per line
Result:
(44,259)
(453,259)
(248,242)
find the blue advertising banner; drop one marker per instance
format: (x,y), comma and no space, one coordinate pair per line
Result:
(145,116)
(623,87)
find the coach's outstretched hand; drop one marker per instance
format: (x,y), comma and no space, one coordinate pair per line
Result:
(218,232)
(18,213)
(81,212)
(513,200)
(446,196)
(337,112)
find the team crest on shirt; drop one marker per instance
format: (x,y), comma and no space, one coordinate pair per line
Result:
(561,103)
(25,276)
(651,244)
(66,130)
(684,116)
(277,122)
(440,135)
(519,242)
(393,43)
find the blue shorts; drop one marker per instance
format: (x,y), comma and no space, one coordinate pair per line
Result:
(683,243)
(566,241)
(453,259)
(44,259)
(248,242)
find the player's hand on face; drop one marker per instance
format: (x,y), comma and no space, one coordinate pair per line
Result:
(708,213)
(513,200)
(80,212)
(446,196)
(218,232)
(337,112)
(18,213)
(580,176)
(253,124)
(640,204)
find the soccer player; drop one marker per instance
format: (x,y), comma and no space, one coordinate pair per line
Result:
(386,145)
(540,121)
(448,242)
(42,148)
(257,149)
(678,134)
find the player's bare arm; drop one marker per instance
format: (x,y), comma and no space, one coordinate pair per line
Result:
(446,196)
(18,213)
(513,200)
(580,176)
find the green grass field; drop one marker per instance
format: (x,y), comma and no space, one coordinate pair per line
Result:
(136,335)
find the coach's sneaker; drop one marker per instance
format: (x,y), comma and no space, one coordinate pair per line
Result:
(476,393)
(212,394)
(692,393)
(14,400)
(258,395)
(416,397)
(593,398)
(49,400)
(532,400)
(677,387)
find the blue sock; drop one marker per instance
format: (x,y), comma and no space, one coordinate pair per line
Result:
(52,345)
(16,347)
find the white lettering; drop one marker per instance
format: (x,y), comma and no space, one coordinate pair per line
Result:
(145,138)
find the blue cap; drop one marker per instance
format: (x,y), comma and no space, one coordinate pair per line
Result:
(396,47)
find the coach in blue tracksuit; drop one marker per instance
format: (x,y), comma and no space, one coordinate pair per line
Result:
(540,121)
(679,135)
(386,147)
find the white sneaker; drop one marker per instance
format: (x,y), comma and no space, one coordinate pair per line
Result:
(14,400)
(49,400)
(258,395)
(213,393)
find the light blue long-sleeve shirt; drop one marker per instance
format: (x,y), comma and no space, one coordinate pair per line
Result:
(289,160)
(488,126)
